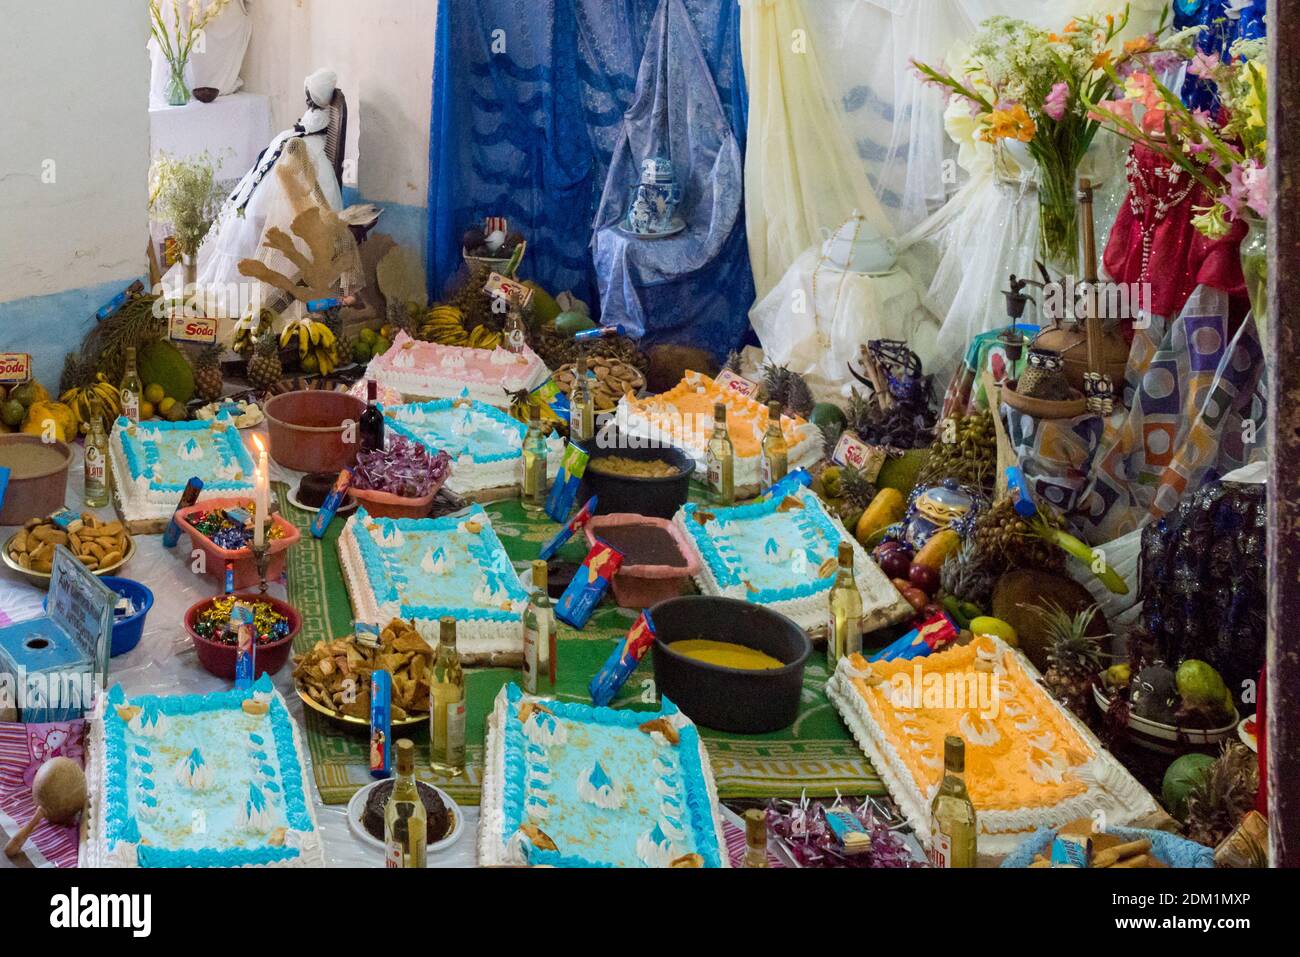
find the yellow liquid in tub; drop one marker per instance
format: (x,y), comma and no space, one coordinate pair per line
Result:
(726,654)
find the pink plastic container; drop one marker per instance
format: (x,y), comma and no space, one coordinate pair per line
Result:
(387,505)
(640,586)
(215,557)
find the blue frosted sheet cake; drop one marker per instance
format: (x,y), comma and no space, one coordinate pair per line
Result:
(213,780)
(152,461)
(780,553)
(572,785)
(485,444)
(423,569)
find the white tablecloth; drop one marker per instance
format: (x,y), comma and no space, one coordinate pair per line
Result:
(233,129)
(165,663)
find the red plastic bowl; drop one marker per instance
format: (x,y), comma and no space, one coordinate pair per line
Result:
(215,557)
(219,658)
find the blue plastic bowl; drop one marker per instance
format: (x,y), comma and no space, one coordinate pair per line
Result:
(126,631)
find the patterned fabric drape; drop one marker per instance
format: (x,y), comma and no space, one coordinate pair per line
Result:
(529,98)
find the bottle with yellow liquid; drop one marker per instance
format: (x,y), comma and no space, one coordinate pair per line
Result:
(96,465)
(755,839)
(844,627)
(406,823)
(539,634)
(534,492)
(582,407)
(447,705)
(720,458)
(130,390)
(952,815)
(776,451)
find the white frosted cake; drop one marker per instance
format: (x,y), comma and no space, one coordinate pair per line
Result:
(152,462)
(423,569)
(213,780)
(485,444)
(683,417)
(779,553)
(428,370)
(572,785)
(1030,763)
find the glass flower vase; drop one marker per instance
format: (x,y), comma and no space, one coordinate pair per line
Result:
(1058,219)
(1254,266)
(178,94)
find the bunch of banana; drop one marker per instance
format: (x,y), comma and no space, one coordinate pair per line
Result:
(522,401)
(316,344)
(248,329)
(481,337)
(445,326)
(98,398)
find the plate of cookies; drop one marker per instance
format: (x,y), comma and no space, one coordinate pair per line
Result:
(333,678)
(101,546)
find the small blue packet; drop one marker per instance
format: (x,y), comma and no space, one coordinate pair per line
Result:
(573,465)
(589,584)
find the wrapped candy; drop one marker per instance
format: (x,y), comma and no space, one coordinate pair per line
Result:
(405,468)
(229,528)
(213,621)
(811,839)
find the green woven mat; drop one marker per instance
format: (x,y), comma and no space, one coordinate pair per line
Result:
(815,754)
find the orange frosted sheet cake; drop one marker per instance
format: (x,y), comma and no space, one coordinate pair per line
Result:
(683,416)
(1029,762)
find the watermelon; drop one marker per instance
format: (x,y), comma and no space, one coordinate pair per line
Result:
(1184,774)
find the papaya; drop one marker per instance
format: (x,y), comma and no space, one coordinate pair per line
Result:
(988,625)
(163,363)
(885,509)
(937,548)
(65,421)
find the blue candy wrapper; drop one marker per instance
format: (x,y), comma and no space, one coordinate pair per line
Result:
(381,715)
(589,585)
(573,465)
(241,617)
(568,530)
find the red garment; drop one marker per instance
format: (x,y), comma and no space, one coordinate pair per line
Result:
(1153,239)
(1261,743)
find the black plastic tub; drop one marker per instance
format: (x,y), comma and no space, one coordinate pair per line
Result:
(655,497)
(730,699)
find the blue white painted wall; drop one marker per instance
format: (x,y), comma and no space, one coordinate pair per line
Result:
(74,163)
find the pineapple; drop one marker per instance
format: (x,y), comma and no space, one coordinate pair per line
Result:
(1073,655)
(788,388)
(207,373)
(968,576)
(264,369)
(1218,801)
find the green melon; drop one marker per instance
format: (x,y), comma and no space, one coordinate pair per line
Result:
(545,308)
(826,414)
(1181,776)
(165,364)
(900,473)
(570,322)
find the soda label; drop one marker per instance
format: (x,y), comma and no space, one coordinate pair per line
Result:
(737,384)
(15,367)
(182,328)
(852,451)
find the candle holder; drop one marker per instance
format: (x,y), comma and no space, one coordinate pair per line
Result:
(262,558)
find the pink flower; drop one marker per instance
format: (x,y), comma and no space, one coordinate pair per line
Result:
(1254,180)
(1121,109)
(1057,101)
(1142,88)
(1204,64)
(1153,120)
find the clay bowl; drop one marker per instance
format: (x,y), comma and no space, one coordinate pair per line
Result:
(205,94)
(38,476)
(306,429)
(218,658)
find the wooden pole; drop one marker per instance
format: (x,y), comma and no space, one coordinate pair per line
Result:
(1283,349)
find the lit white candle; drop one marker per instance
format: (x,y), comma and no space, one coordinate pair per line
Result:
(260,494)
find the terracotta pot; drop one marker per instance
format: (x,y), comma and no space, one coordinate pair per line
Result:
(387,505)
(219,658)
(38,476)
(306,429)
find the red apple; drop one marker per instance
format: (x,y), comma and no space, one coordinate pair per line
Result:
(923,577)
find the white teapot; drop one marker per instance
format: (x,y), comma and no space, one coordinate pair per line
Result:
(858,246)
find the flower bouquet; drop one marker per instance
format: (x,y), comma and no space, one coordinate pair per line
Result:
(1028,85)
(1226,152)
(186,195)
(179,39)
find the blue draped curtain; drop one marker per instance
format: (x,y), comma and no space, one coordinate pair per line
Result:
(528,104)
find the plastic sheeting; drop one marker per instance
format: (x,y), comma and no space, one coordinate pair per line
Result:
(165,663)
